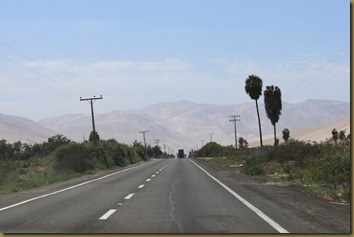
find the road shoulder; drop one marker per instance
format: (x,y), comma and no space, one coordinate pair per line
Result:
(302,212)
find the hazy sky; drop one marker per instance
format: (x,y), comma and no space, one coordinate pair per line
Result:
(140,52)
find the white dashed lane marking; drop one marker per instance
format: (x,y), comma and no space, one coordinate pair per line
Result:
(111,211)
(108,214)
(129,196)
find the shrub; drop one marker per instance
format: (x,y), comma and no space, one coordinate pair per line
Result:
(211,149)
(253,166)
(6,168)
(334,167)
(140,150)
(72,157)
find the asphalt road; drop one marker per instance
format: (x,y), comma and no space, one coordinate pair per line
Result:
(167,196)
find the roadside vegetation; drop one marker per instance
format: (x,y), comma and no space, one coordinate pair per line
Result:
(323,169)
(24,166)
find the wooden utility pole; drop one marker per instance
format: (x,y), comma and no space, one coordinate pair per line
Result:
(164,148)
(143,132)
(211,136)
(91,101)
(157,141)
(234,120)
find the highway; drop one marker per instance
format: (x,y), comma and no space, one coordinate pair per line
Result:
(169,196)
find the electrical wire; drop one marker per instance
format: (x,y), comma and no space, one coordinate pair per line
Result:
(64,86)
(305,83)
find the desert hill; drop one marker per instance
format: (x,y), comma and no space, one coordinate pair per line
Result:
(15,128)
(185,124)
(317,134)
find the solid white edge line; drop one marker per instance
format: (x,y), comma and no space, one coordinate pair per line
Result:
(275,225)
(108,214)
(129,196)
(66,189)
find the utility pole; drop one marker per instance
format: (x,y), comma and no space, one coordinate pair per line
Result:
(157,142)
(143,132)
(91,101)
(164,148)
(234,120)
(202,142)
(211,137)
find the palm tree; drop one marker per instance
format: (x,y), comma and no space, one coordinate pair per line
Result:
(273,106)
(335,135)
(286,135)
(253,87)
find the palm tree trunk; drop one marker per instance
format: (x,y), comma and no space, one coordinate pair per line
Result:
(275,136)
(259,124)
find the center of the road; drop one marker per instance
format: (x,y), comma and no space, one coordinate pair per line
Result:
(129,196)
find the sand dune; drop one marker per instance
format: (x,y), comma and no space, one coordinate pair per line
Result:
(318,134)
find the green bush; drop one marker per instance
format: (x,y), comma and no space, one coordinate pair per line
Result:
(140,150)
(73,157)
(254,166)
(211,149)
(334,167)
(6,168)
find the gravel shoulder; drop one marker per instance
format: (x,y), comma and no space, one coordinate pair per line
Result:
(298,211)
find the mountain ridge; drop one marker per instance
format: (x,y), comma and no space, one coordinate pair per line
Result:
(179,124)
(185,124)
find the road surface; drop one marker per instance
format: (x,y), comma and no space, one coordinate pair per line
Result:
(169,196)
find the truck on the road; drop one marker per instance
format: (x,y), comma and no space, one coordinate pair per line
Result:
(180,153)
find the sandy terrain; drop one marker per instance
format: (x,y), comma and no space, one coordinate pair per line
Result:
(318,134)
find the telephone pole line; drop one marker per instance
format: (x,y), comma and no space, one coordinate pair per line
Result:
(234,120)
(91,101)
(143,132)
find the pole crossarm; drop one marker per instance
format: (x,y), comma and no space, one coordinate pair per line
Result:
(91,99)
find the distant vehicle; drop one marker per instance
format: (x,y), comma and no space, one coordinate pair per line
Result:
(180,153)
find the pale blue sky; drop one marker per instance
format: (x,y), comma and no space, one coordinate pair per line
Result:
(140,52)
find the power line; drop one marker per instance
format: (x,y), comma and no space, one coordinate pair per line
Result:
(304,83)
(34,82)
(316,87)
(68,84)
(63,82)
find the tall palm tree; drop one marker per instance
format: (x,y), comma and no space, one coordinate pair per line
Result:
(253,87)
(273,106)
